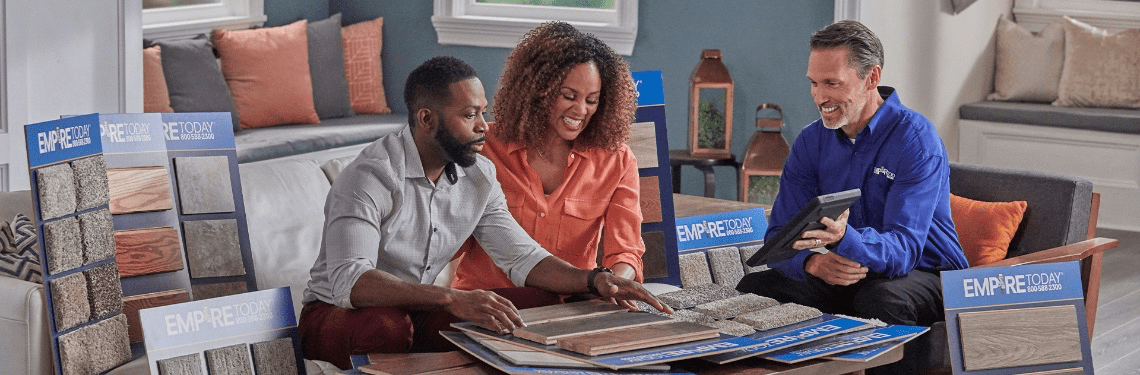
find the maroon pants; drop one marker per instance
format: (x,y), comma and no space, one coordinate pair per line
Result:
(332,334)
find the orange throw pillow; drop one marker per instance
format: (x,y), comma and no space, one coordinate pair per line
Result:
(985,228)
(267,71)
(362,68)
(156,97)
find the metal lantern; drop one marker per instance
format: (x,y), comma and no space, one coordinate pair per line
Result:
(710,108)
(763,161)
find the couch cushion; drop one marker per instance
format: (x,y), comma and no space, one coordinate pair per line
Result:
(19,257)
(1100,119)
(280,141)
(326,65)
(1101,70)
(363,69)
(156,97)
(194,79)
(267,70)
(1027,65)
(985,229)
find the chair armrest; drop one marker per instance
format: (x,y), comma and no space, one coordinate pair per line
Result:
(1070,252)
(23,325)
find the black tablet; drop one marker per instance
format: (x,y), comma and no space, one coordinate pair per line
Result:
(780,247)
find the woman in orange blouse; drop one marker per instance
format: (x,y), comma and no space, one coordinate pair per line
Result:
(563,111)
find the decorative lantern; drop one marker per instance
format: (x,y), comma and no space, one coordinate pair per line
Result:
(763,161)
(710,108)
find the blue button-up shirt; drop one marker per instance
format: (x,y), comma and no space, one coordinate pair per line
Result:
(902,220)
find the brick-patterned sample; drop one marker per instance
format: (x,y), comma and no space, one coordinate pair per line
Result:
(63,241)
(650,200)
(691,296)
(746,252)
(190,364)
(778,316)
(139,189)
(69,301)
(274,356)
(98,236)
(104,291)
(694,269)
(204,184)
(725,265)
(148,250)
(132,305)
(730,307)
(56,185)
(91,182)
(733,328)
(206,291)
(213,248)
(230,360)
(109,344)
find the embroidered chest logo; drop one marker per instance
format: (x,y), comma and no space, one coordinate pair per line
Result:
(883,171)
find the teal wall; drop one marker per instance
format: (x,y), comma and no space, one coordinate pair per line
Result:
(764,45)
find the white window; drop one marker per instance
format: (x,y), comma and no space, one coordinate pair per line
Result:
(1111,15)
(501,23)
(182,18)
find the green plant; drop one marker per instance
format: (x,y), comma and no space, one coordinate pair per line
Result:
(710,124)
(763,189)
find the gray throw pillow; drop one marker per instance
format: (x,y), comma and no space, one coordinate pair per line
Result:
(326,66)
(194,78)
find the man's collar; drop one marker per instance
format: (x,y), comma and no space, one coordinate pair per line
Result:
(414,166)
(890,101)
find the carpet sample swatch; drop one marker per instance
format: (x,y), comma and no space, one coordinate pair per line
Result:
(730,307)
(56,186)
(693,317)
(213,248)
(778,316)
(230,360)
(63,241)
(725,265)
(98,235)
(204,184)
(73,355)
(104,291)
(691,296)
(747,252)
(91,182)
(69,301)
(733,328)
(190,364)
(274,356)
(694,269)
(96,348)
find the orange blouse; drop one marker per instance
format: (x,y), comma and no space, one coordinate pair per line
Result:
(600,193)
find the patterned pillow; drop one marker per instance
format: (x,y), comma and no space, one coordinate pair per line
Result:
(19,257)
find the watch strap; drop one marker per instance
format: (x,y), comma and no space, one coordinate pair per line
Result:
(590,287)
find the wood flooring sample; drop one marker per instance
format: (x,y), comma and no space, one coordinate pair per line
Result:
(139,189)
(1019,337)
(643,143)
(654,258)
(420,364)
(147,251)
(550,333)
(650,200)
(132,305)
(546,314)
(638,338)
(204,184)
(213,248)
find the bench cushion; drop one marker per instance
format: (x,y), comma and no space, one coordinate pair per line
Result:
(1100,119)
(280,141)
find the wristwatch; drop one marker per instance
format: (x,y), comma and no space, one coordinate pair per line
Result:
(590,280)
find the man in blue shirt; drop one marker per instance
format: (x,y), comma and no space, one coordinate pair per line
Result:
(881,258)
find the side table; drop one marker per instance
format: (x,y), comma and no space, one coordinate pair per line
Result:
(678,158)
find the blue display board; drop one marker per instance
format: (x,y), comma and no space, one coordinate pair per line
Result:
(721,229)
(651,109)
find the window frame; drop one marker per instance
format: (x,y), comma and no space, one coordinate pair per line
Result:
(191,20)
(465,22)
(1112,15)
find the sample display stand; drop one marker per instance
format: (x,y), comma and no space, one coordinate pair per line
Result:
(650,144)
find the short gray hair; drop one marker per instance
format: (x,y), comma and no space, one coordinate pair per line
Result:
(865,50)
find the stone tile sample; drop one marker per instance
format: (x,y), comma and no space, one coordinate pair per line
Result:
(230,360)
(108,346)
(207,291)
(69,301)
(650,200)
(132,305)
(692,317)
(98,236)
(104,291)
(139,189)
(73,355)
(694,269)
(274,356)
(778,316)
(213,248)
(204,184)
(63,241)
(733,328)
(56,185)
(190,364)
(653,260)
(691,296)
(90,182)
(747,252)
(725,265)
(730,307)
(148,250)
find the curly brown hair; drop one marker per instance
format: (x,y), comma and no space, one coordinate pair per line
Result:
(531,82)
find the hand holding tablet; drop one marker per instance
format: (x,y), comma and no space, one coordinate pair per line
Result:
(780,246)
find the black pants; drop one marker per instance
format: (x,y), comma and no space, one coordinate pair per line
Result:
(915,300)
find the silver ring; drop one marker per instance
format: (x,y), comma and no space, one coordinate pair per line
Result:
(817,242)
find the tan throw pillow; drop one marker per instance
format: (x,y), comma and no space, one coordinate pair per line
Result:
(1101,70)
(156,97)
(362,67)
(1027,65)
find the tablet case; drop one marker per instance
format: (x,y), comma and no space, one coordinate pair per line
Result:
(780,246)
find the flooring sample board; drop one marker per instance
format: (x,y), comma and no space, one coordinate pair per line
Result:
(650,200)
(420,364)
(274,356)
(146,251)
(573,310)
(550,333)
(190,364)
(688,297)
(132,305)
(69,301)
(98,236)
(778,316)
(139,189)
(204,184)
(746,252)
(654,258)
(638,338)
(519,355)
(213,248)
(733,328)
(1019,337)
(694,269)
(207,291)
(104,291)
(725,265)
(643,143)
(109,346)
(73,355)
(56,185)
(90,182)
(63,241)
(229,360)
(730,307)
(684,315)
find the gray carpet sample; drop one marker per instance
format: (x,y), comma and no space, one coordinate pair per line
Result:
(104,290)
(98,235)
(694,269)
(213,248)
(693,317)
(109,345)
(274,356)
(69,301)
(204,184)
(91,182)
(747,252)
(691,296)
(778,316)
(190,364)
(725,265)
(733,328)
(56,186)
(207,291)
(730,307)
(63,241)
(230,360)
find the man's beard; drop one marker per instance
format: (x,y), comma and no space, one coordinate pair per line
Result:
(456,151)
